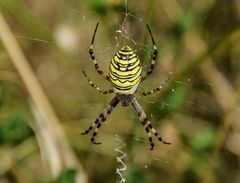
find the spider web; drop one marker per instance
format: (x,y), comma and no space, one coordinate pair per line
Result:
(180,85)
(123,33)
(191,112)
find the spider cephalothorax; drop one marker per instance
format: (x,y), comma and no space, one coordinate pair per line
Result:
(125,99)
(125,76)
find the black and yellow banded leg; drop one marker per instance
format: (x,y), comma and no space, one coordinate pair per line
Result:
(102,117)
(148,133)
(93,56)
(154,57)
(143,119)
(149,125)
(146,123)
(95,86)
(150,92)
(91,127)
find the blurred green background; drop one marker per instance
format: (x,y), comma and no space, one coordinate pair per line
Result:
(198,111)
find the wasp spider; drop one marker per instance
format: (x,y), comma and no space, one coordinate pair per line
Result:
(125,76)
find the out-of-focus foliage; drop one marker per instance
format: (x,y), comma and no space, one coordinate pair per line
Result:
(66,176)
(14,130)
(198,112)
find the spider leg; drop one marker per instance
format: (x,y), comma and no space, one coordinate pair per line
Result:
(150,92)
(154,57)
(146,123)
(93,57)
(96,87)
(102,117)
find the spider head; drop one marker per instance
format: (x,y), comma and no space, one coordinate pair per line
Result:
(125,99)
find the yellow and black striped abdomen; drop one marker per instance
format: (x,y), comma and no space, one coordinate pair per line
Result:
(125,71)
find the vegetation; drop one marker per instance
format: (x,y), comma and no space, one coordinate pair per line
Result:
(46,103)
